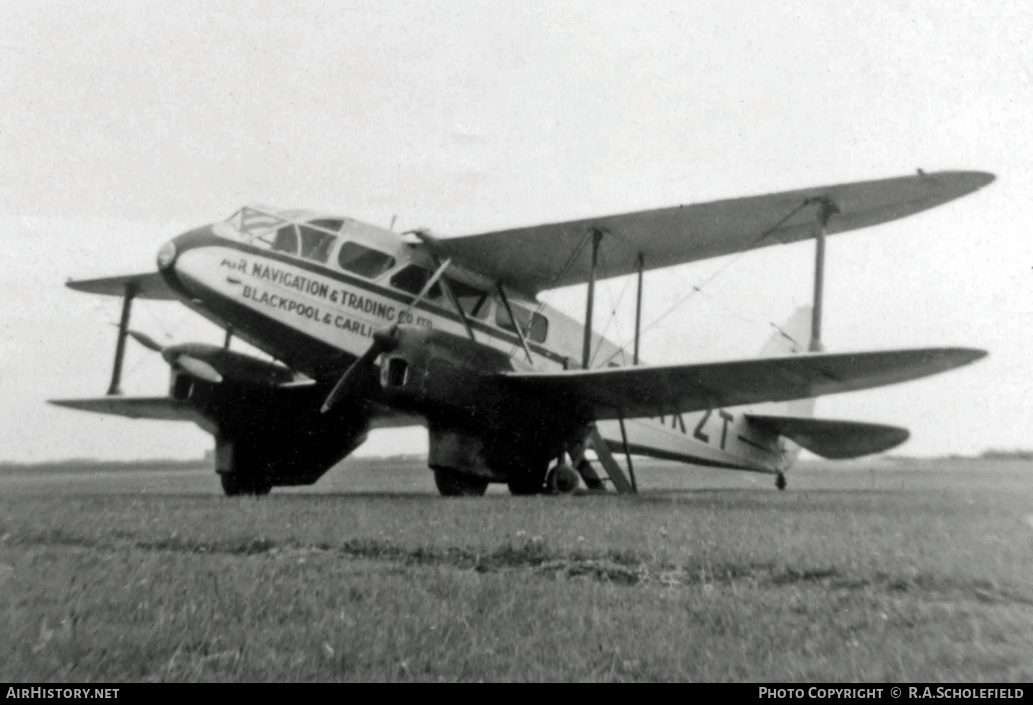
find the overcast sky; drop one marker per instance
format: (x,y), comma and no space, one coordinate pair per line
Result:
(124,123)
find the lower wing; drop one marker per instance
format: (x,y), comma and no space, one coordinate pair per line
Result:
(159,408)
(630,392)
(167,409)
(149,285)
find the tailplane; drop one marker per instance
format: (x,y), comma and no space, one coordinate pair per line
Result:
(831,439)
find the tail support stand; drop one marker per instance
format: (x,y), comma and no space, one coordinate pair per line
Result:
(609,463)
(602,451)
(627,455)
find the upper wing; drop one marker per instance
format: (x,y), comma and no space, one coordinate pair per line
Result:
(631,392)
(145,286)
(536,258)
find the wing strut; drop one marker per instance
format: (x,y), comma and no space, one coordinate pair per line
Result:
(638,307)
(586,347)
(602,451)
(455,302)
(120,347)
(634,361)
(433,247)
(826,209)
(516,323)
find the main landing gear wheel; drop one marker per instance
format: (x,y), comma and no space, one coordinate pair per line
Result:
(456,484)
(780,481)
(562,479)
(236,485)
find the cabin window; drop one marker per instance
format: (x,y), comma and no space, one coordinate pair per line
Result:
(315,244)
(473,301)
(412,279)
(363,261)
(534,326)
(286,240)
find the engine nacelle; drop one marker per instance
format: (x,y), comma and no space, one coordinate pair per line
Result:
(478,425)
(442,376)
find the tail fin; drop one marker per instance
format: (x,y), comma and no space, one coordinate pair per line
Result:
(791,338)
(795,419)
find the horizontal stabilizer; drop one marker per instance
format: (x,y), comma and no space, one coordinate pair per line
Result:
(160,408)
(835,440)
(610,393)
(145,286)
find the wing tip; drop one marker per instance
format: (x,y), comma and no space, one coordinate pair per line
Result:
(980,179)
(966,356)
(964,182)
(84,404)
(146,285)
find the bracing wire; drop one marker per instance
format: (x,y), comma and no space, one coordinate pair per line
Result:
(613,315)
(698,288)
(574,254)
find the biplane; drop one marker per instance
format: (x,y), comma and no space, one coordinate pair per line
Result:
(367,328)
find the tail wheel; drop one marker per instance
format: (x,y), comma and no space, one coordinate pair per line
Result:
(562,479)
(780,481)
(456,484)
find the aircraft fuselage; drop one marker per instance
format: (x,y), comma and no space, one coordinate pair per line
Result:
(317,312)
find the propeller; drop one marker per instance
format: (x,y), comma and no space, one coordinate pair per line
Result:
(383,341)
(177,357)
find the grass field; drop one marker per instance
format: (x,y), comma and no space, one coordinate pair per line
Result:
(880,571)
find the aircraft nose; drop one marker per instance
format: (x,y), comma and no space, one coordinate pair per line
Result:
(167,256)
(172,253)
(172,250)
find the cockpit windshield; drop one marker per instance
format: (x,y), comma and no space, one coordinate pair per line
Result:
(291,232)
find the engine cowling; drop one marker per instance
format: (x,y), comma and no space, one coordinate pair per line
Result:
(442,376)
(478,426)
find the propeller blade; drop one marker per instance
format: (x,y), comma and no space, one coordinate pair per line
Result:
(344,384)
(145,340)
(199,368)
